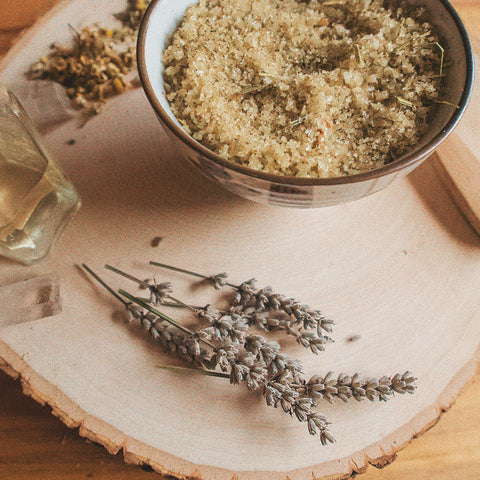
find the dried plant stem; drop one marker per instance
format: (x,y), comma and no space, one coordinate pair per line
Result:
(143,283)
(177,269)
(103,284)
(132,309)
(447,103)
(175,304)
(179,303)
(211,278)
(74,30)
(127,275)
(407,103)
(202,371)
(442,58)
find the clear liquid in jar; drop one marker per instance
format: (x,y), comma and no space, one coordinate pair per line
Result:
(36,199)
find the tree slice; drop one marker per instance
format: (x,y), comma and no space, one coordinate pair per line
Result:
(400,269)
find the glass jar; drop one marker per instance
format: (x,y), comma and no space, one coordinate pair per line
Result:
(36,198)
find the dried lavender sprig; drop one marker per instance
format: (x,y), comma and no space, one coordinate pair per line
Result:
(328,387)
(309,340)
(275,361)
(180,303)
(250,368)
(275,392)
(237,317)
(156,312)
(267,323)
(218,280)
(238,320)
(222,354)
(185,345)
(222,325)
(346,387)
(251,365)
(133,311)
(158,292)
(264,299)
(203,338)
(233,324)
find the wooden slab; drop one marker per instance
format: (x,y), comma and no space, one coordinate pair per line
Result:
(459,154)
(400,269)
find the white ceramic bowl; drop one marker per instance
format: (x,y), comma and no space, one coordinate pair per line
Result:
(159,23)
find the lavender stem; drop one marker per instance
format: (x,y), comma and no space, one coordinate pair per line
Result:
(126,275)
(188,272)
(103,284)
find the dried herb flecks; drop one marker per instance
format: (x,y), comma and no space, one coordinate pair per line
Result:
(99,63)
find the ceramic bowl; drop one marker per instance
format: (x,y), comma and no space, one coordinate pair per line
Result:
(159,23)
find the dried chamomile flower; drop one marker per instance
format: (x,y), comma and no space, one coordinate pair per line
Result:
(97,65)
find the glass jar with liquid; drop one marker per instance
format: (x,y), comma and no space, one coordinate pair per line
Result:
(36,198)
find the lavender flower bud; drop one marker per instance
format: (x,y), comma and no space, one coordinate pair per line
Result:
(134,312)
(159,293)
(218,281)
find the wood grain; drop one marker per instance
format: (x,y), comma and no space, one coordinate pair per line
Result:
(35,445)
(17,15)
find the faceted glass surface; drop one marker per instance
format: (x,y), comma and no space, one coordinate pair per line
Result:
(36,198)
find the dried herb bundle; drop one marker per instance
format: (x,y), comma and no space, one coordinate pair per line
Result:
(98,64)
(224,347)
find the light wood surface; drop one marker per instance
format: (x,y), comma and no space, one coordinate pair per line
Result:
(459,154)
(449,450)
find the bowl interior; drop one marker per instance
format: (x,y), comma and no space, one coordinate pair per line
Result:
(164,16)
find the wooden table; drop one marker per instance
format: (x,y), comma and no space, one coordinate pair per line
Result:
(34,445)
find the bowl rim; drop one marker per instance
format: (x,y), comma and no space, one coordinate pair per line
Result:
(400,164)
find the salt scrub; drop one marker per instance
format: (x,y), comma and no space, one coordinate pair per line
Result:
(309,89)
